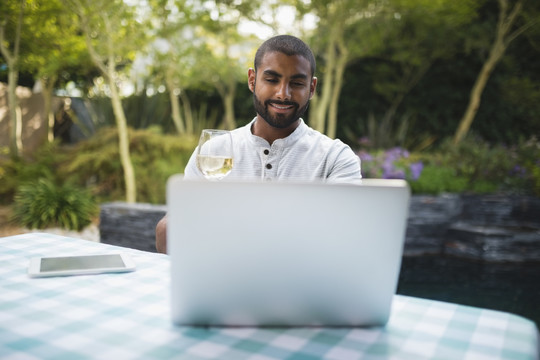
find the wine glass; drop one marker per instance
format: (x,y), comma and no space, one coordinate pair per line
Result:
(215,153)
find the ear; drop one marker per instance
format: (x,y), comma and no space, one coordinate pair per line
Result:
(251,79)
(312,87)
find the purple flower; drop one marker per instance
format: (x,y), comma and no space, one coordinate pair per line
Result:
(519,171)
(416,169)
(395,174)
(365,156)
(393,154)
(388,166)
(396,153)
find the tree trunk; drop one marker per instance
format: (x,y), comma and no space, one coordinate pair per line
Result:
(175,109)
(321,109)
(108,69)
(15,141)
(228,103)
(476,93)
(188,113)
(341,63)
(48,85)
(503,38)
(12,60)
(123,140)
(227,94)
(474,102)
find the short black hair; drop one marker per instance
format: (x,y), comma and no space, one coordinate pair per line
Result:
(288,45)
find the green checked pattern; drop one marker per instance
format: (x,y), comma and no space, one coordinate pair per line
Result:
(126,316)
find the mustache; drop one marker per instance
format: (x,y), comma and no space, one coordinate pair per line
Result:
(282,103)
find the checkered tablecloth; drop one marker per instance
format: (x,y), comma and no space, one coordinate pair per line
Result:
(126,316)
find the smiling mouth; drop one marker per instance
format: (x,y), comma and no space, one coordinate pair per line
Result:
(282,106)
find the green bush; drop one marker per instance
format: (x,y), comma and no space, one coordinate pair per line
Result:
(17,171)
(494,168)
(42,203)
(528,169)
(155,157)
(472,166)
(436,180)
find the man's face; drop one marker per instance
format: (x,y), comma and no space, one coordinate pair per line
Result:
(282,88)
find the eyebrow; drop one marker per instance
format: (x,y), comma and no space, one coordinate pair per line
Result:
(276,74)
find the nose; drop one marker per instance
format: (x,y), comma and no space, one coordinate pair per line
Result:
(283,92)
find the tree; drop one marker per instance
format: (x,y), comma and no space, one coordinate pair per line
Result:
(347,30)
(226,64)
(56,47)
(12,17)
(418,34)
(177,77)
(227,52)
(513,20)
(175,56)
(48,44)
(113,34)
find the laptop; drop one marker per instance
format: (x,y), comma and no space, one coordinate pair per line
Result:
(284,254)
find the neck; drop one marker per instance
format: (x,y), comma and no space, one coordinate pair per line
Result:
(269,133)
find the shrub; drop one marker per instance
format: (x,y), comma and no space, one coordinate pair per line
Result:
(395,163)
(527,170)
(17,171)
(436,180)
(494,168)
(96,162)
(42,203)
(471,166)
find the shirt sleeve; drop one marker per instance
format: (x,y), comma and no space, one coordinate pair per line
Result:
(346,167)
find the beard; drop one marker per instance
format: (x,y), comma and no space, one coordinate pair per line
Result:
(279,121)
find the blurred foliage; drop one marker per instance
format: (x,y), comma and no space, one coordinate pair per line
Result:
(510,108)
(95,163)
(144,111)
(62,184)
(42,203)
(15,172)
(437,180)
(474,166)
(441,45)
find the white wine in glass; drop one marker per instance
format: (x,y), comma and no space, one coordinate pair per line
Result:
(215,154)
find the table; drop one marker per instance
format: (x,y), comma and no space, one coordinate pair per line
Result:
(126,316)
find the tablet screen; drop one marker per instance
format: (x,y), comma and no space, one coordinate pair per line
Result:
(81,262)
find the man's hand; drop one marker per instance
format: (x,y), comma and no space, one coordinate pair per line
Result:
(161,235)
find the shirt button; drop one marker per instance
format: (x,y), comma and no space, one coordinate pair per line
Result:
(268,166)
(266,152)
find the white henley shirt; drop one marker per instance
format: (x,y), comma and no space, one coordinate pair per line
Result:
(305,155)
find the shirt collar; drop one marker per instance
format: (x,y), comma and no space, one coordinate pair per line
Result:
(279,143)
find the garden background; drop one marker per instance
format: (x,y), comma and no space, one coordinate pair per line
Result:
(444,94)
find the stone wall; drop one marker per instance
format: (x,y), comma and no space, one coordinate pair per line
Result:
(489,227)
(481,227)
(429,219)
(130,225)
(496,228)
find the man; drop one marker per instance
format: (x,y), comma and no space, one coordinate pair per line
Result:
(277,145)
